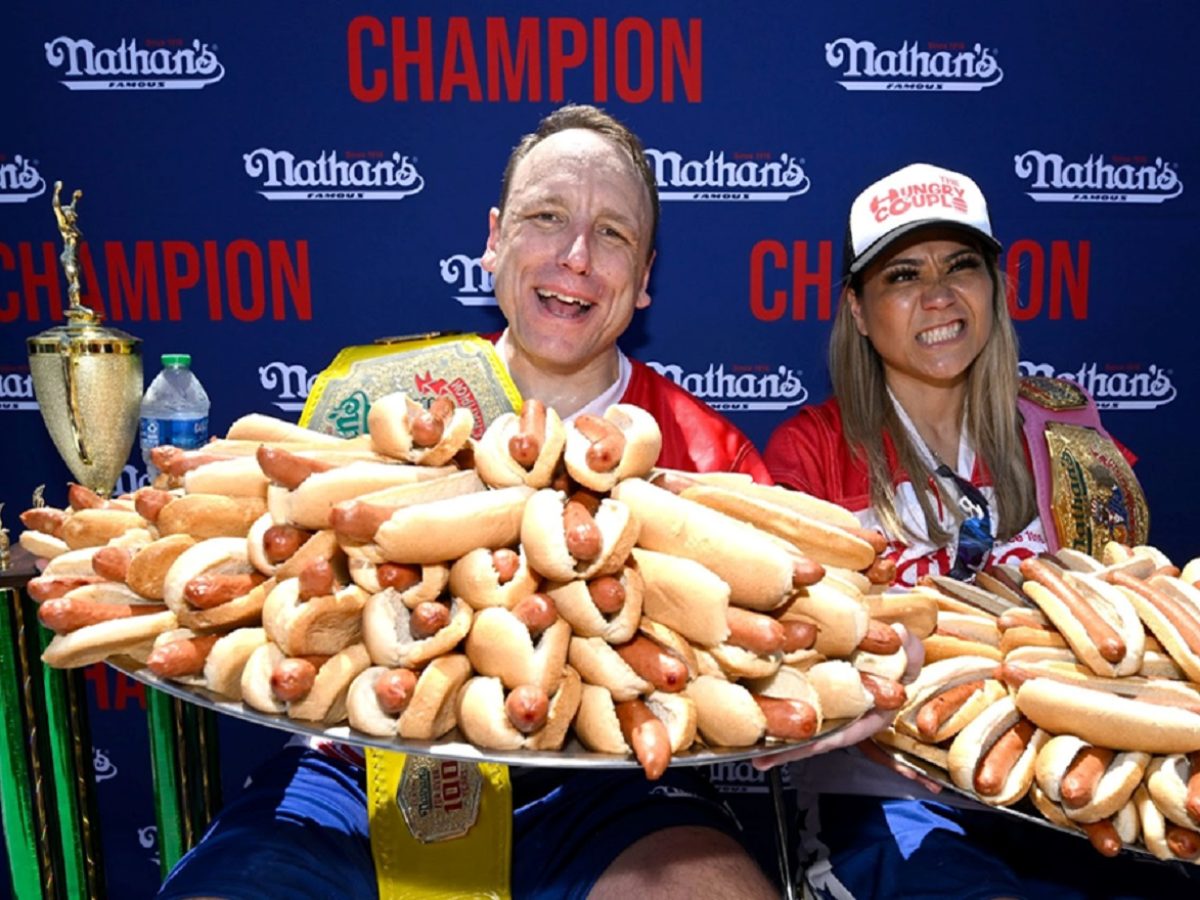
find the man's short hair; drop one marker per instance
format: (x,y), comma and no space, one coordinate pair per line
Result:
(594,119)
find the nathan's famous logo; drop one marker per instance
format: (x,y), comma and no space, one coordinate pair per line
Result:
(1115,385)
(157,64)
(934,66)
(1117,179)
(472,283)
(103,768)
(738,176)
(147,837)
(16,388)
(757,388)
(19,180)
(289,382)
(361,175)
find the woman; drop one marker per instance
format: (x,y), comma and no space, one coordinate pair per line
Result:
(933,437)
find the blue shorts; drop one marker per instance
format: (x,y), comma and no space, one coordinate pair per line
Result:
(300,830)
(867,847)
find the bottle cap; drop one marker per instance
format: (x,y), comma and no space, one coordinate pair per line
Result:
(177,359)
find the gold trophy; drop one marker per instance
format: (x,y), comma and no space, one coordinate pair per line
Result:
(87,378)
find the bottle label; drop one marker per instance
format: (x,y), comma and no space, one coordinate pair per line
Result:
(186,434)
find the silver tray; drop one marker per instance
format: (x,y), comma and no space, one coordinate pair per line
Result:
(1023,809)
(452,746)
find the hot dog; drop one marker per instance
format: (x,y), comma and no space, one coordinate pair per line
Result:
(946,696)
(526,717)
(205,516)
(525,645)
(684,595)
(524,449)
(994,754)
(387,624)
(608,607)
(215,557)
(651,729)
(1170,608)
(1090,783)
(415,705)
(311,687)
(355,499)
(447,529)
(404,429)
(321,624)
(1174,784)
(94,621)
(565,541)
(485,577)
(602,450)
(180,655)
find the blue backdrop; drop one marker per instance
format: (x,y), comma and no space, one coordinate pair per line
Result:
(264,184)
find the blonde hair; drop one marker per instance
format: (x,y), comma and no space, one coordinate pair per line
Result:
(993,422)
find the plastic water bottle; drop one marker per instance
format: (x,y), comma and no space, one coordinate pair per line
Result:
(174,409)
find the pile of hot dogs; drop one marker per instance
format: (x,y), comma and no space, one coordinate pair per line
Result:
(1074,682)
(541,578)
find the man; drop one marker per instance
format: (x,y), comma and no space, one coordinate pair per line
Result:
(571,246)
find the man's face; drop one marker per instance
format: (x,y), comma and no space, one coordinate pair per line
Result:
(571,253)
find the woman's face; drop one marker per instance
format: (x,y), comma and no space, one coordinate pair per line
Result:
(926,307)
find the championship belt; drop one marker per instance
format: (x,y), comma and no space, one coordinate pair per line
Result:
(1087,493)
(440,828)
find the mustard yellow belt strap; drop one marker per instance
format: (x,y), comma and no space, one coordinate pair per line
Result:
(440,828)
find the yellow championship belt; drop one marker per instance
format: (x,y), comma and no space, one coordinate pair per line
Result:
(440,828)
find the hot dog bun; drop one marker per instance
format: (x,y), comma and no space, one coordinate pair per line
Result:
(1112,791)
(321,625)
(219,556)
(642,444)
(494,461)
(448,529)
(684,595)
(387,632)
(429,714)
(499,644)
(575,604)
(391,420)
(970,745)
(547,545)
(483,721)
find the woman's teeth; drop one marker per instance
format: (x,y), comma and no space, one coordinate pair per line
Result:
(941,333)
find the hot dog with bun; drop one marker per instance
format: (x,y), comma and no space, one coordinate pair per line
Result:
(521,449)
(601,450)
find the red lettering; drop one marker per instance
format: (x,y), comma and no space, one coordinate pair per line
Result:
(526,63)
(558,59)
(822,280)
(679,58)
(359,88)
(174,280)
(96,675)
(760,253)
(10,312)
(1064,274)
(144,281)
(1014,263)
(47,279)
(233,282)
(213,270)
(295,275)
(128,689)
(89,292)
(600,55)
(625,89)
(458,44)
(402,58)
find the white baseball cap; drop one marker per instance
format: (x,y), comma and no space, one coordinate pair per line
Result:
(914,197)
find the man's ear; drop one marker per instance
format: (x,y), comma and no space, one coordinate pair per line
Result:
(856,310)
(643,297)
(488,260)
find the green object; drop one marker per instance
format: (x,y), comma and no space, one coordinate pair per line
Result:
(176,359)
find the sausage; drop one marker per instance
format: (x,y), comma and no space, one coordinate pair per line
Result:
(507,563)
(753,631)
(177,463)
(935,712)
(293,678)
(1183,842)
(280,542)
(526,445)
(608,594)
(148,502)
(427,619)
(1171,571)
(798,635)
(608,442)
(882,571)
(877,539)
(394,690)
(1079,783)
(80,497)
(806,572)
(1109,644)
(287,469)
(999,759)
(1192,804)
(536,612)
(880,638)
(675,482)
(51,587)
(1184,620)
(358,520)
(1103,836)
(214,588)
(45,519)
(527,706)
(185,656)
(67,614)
(888,694)
(316,579)
(398,576)
(582,534)
(561,480)
(429,426)
(789,720)
(647,735)
(111,563)
(654,664)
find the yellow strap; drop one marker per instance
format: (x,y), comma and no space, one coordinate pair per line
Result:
(476,865)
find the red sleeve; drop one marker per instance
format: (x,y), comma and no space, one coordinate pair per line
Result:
(802,451)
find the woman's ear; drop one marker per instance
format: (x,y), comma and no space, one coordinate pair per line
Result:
(856,310)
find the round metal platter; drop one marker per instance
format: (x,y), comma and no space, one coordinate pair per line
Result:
(572,755)
(1022,810)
